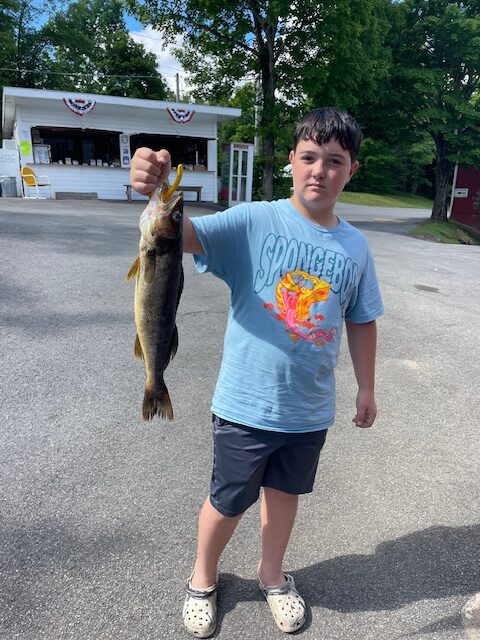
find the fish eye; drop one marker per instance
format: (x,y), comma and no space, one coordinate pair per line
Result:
(177,215)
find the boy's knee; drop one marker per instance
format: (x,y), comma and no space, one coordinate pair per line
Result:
(230,511)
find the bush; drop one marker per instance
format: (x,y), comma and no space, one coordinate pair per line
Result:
(379,169)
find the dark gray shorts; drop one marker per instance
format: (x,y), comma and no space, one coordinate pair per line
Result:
(246,458)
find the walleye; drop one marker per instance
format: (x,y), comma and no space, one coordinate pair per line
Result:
(159,282)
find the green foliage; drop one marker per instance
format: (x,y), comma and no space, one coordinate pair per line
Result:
(7,39)
(243,129)
(378,168)
(419,156)
(21,53)
(83,46)
(240,129)
(351,57)
(308,50)
(90,38)
(399,200)
(438,67)
(429,98)
(21,48)
(444,232)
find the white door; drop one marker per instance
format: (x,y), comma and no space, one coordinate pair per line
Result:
(241,173)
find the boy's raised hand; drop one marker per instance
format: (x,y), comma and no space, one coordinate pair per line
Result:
(148,169)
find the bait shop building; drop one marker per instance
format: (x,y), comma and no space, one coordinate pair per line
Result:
(82,144)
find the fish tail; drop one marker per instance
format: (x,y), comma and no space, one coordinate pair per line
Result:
(157,402)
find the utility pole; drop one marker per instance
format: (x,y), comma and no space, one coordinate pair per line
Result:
(256,140)
(177,77)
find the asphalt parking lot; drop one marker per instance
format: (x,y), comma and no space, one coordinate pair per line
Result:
(98,509)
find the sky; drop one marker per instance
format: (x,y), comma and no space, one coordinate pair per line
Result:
(152,41)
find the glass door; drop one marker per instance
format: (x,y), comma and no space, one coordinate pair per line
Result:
(241,157)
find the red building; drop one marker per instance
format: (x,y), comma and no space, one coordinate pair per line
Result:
(466,190)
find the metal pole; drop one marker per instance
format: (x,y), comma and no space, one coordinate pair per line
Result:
(177,77)
(256,140)
(454,184)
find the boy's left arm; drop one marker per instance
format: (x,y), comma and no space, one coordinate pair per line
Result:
(362,342)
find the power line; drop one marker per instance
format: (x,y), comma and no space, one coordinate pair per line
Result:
(247,78)
(65,73)
(144,35)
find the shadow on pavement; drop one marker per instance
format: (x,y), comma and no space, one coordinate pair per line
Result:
(438,562)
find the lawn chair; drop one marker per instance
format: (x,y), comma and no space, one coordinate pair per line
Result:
(30,180)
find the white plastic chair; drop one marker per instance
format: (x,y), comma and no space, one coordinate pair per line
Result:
(31,181)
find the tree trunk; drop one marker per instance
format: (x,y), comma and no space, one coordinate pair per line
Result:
(267,175)
(443,175)
(267,65)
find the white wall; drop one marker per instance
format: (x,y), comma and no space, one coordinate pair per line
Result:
(108,182)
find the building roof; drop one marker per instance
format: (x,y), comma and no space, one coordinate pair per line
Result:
(13,96)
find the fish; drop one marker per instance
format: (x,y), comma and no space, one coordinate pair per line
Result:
(158,272)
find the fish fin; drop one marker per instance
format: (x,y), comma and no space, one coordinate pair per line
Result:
(157,402)
(137,349)
(134,269)
(173,343)
(149,272)
(180,286)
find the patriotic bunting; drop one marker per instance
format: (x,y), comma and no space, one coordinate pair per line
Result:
(78,106)
(180,116)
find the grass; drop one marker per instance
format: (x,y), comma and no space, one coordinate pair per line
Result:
(400,200)
(444,232)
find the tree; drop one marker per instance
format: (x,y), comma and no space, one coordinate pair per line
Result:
(90,50)
(437,75)
(21,49)
(8,9)
(351,59)
(288,46)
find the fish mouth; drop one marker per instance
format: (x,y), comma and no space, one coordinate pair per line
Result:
(171,202)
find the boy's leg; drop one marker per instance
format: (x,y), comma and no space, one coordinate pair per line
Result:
(214,532)
(278,511)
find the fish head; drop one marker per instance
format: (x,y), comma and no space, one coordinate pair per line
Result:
(169,217)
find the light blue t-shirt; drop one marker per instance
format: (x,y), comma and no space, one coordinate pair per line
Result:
(292,285)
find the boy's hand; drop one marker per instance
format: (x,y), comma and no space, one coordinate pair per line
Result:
(366,410)
(148,169)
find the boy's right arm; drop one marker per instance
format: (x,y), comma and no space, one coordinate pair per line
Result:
(148,169)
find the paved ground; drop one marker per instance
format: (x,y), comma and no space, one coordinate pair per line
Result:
(98,509)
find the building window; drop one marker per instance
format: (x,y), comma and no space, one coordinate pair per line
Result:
(191,152)
(80,146)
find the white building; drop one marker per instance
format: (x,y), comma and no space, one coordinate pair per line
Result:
(84,142)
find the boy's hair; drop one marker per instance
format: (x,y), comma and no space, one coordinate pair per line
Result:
(321,125)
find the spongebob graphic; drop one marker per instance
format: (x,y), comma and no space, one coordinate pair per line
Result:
(296,293)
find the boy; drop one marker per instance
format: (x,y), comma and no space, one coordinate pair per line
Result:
(296,272)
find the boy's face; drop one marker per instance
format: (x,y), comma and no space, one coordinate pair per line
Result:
(320,173)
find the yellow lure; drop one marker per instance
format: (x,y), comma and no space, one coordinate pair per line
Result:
(169,192)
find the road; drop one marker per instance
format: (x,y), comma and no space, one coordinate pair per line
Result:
(98,509)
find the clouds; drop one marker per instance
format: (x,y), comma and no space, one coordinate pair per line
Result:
(167,65)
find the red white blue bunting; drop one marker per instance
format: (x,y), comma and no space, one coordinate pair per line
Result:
(180,116)
(79,106)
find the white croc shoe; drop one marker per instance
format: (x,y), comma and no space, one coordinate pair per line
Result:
(200,610)
(286,605)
